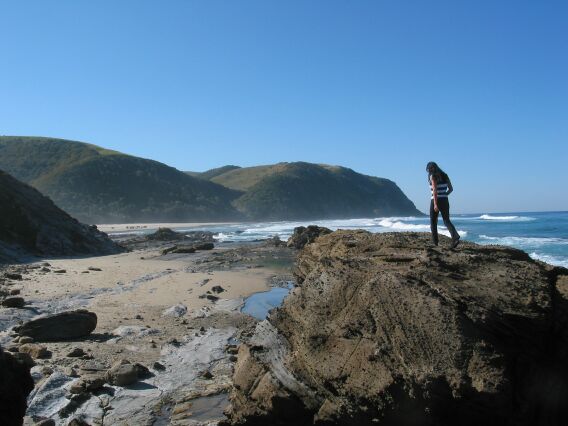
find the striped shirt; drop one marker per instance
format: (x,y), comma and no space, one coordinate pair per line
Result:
(441,189)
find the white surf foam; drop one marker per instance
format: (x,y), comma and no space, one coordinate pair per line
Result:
(398,225)
(523,241)
(505,218)
(553,260)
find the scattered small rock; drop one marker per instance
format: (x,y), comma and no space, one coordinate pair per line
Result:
(25,339)
(158,367)
(207,375)
(35,351)
(175,311)
(92,268)
(46,371)
(70,371)
(217,289)
(75,353)
(60,271)
(13,276)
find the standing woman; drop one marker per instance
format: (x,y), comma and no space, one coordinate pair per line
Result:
(441,187)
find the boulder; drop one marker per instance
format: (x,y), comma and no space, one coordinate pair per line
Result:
(13,302)
(122,373)
(60,326)
(385,329)
(15,385)
(35,351)
(303,235)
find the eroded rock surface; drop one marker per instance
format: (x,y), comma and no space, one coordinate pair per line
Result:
(305,235)
(385,329)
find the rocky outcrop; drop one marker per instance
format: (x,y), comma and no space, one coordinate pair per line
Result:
(60,326)
(385,329)
(305,235)
(178,249)
(15,385)
(165,234)
(32,224)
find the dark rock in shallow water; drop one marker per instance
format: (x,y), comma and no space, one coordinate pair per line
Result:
(61,326)
(15,385)
(303,235)
(384,329)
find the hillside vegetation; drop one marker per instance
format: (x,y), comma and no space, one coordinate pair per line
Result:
(296,191)
(102,186)
(32,224)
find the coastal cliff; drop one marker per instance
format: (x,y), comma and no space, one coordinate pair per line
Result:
(32,224)
(386,329)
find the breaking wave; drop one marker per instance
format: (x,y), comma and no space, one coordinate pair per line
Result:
(524,241)
(505,218)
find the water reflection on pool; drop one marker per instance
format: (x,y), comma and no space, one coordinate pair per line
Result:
(259,304)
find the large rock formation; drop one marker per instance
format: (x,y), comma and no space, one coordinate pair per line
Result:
(385,329)
(15,385)
(31,223)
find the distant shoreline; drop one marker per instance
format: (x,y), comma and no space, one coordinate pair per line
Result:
(124,227)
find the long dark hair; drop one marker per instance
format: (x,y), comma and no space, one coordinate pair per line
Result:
(437,173)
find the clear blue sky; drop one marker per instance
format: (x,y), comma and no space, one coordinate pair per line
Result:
(380,86)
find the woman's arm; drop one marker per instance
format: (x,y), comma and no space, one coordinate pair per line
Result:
(450,187)
(435,193)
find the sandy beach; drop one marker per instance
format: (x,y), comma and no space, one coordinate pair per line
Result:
(177,314)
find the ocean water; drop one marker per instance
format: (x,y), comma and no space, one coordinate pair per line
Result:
(544,235)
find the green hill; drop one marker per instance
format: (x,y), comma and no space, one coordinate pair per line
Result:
(101,186)
(210,174)
(296,191)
